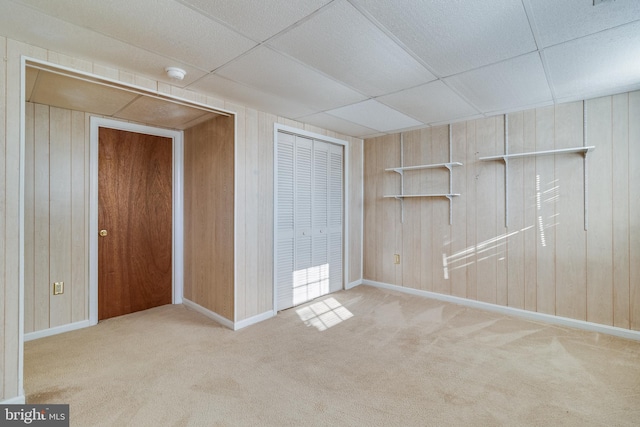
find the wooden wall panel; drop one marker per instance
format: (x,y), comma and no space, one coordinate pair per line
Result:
(354,208)
(620,193)
(242,291)
(489,245)
(79,187)
(470,195)
(546,212)
(500,227)
(544,261)
(456,257)
(570,235)
(634,208)
(42,220)
(390,209)
(599,278)
(254,279)
(516,210)
(372,174)
(530,230)
(209,215)
(411,262)
(424,211)
(439,227)
(265,207)
(29,217)
(60,213)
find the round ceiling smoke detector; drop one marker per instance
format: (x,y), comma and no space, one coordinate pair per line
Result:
(175,73)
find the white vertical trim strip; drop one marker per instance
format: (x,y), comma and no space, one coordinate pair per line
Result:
(275,221)
(362,214)
(177,248)
(235,219)
(21,229)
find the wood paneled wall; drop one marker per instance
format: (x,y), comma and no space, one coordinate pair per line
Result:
(56,216)
(544,260)
(209,215)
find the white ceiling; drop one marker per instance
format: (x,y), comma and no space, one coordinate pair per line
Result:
(359,67)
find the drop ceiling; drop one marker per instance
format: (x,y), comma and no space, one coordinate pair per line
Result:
(359,67)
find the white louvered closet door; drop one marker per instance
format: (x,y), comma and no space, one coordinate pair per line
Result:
(309,219)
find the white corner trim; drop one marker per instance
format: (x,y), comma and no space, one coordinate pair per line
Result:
(18,400)
(254,319)
(510,311)
(353,284)
(210,314)
(58,330)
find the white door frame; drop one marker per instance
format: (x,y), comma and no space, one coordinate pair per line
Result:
(177,248)
(345,230)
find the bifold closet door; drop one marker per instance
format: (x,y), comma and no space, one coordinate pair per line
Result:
(309,219)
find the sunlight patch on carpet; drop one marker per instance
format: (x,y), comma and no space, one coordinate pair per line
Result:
(324,314)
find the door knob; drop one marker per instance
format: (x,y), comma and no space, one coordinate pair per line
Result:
(103,233)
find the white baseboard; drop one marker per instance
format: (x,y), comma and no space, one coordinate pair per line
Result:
(530,315)
(210,314)
(18,400)
(253,320)
(57,330)
(353,284)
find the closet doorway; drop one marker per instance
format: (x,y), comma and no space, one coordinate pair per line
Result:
(309,220)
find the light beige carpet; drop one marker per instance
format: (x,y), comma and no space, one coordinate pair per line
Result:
(363,357)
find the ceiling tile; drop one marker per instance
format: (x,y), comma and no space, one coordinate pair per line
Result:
(456,36)
(518,82)
(258,20)
(168,28)
(601,64)
(79,42)
(375,115)
(284,77)
(433,102)
(342,43)
(560,21)
(74,94)
(160,112)
(252,97)
(337,124)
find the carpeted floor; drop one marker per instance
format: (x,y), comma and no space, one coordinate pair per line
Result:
(363,357)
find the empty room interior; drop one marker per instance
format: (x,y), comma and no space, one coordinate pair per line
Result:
(321,212)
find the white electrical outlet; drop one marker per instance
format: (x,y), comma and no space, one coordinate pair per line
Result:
(58,288)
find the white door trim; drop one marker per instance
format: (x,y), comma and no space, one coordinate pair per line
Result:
(177,251)
(345,235)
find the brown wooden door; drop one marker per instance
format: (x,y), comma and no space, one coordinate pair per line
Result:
(134,207)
